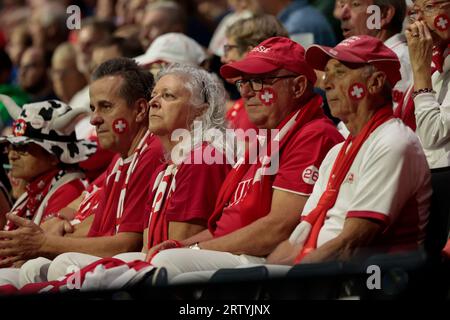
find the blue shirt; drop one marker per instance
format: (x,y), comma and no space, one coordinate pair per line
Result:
(300,18)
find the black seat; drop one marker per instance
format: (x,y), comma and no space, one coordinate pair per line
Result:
(236,284)
(439,222)
(315,281)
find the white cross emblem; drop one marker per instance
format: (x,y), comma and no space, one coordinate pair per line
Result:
(120,126)
(357,92)
(442,23)
(267,96)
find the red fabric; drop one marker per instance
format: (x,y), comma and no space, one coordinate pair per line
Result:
(33,288)
(446,250)
(137,190)
(191,198)
(340,169)
(272,54)
(384,219)
(405,110)
(361,49)
(236,207)
(91,199)
(56,286)
(8,289)
(63,197)
(438,58)
(238,118)
(98,162)
(38,189)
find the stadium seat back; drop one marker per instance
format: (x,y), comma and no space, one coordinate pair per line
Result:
(439,222)
(236,284)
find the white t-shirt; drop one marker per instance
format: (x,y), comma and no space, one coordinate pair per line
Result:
(389,182)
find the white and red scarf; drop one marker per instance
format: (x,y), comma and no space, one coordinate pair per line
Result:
(114,192)
(27,205)
(257,202)
(163,189)
(307,232)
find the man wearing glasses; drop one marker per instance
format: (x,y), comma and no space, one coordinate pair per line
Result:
(256,210)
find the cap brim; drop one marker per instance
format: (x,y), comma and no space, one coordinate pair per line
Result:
(252,65)
(317,56)
(143,60)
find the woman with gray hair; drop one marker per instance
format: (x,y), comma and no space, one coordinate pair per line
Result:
(185,187)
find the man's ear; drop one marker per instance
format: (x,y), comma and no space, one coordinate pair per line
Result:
(300,85)
(142,108)
(387,14)
(375,83)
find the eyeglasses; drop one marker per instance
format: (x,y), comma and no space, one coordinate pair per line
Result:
(228,47)
(257,84)
(21,150)
(428,9)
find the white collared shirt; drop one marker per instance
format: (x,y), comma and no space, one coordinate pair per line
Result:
(398,44)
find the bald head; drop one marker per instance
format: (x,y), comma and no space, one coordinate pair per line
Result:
(33,70)
(66,78)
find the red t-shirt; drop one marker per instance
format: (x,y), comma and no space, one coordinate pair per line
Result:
(298,170)
(91,199)
(62,198)
(192,196)
(238,118)
(131,220)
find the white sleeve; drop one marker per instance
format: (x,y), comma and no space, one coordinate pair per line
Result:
(386,181)
(432,120)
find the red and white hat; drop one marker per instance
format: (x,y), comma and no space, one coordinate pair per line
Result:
(358,50)
(270,55)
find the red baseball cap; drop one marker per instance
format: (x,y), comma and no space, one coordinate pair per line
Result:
(358,50)
(270,55)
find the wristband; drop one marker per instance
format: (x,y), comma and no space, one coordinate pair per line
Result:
(420,91)
(177,244)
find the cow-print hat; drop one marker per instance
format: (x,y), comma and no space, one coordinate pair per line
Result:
(51,125)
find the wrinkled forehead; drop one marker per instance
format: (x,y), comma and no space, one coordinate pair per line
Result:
(334,64)
(350,2)
(174,81)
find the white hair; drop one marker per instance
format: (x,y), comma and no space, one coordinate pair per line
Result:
(206,89)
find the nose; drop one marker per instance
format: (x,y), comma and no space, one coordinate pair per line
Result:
(96,120)
(13,155)
(345,12)
(154,102)
(327,83)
